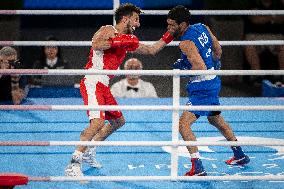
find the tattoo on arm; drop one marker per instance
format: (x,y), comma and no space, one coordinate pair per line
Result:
(151,49)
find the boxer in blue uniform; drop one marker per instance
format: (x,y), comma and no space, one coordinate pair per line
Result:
(200,50)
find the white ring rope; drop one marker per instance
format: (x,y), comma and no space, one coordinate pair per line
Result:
(159,178)
(140,108)
(146,12)
(142,143)
(135,72)
(88,43)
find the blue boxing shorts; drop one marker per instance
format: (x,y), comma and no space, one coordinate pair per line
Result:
(204,93)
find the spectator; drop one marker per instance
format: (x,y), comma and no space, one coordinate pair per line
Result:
(50,58)
(266,27)
(132,86)
(13,87)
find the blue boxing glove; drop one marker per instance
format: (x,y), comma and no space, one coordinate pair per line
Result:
(217,64)
(181,65)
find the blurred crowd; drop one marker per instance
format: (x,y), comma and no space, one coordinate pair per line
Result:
(265,27)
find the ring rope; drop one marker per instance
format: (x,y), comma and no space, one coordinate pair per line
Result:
(158,178)
(135,72)
(175,43)
(139,107)
(146,12)
(141,143)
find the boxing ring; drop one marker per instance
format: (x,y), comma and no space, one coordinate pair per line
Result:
(38,137)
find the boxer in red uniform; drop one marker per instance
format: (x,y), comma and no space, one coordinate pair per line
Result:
(109,47)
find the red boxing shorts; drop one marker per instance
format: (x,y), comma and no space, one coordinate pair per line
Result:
(97,92)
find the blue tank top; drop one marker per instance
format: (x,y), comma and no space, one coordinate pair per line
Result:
(201,37)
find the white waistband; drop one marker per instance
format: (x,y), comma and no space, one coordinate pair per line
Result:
(199,78)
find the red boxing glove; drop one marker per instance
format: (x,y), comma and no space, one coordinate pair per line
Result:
(167,37)
(127,41)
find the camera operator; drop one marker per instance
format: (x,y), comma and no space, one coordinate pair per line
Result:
(14,88)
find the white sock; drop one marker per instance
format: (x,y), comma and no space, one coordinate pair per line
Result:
(195,155)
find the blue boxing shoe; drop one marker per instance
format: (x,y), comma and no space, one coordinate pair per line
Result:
(239,158)
(196,169)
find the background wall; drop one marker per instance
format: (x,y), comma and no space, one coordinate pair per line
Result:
(82,28)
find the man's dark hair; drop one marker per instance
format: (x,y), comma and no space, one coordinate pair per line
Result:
(126,9)
(179,14)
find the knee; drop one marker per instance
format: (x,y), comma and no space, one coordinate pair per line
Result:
(215,120)
(94,123)
(93,128)
(211,120)
(186,120)
(87,134)
(116,124)
(121,122)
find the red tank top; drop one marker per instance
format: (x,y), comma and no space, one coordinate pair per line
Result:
(109,59)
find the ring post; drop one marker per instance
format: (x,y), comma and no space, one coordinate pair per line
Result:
(10,180)
(175,124)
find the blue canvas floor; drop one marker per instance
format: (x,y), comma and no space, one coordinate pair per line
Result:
(141,161)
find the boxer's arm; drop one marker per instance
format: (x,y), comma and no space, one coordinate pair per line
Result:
(100,40)
(192,53)
(127,41)
(217,49)
(150,49)
(156,47)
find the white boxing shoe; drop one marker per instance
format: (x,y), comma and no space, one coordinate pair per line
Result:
(74,170)
(90,157)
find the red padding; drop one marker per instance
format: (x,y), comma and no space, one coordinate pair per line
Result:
(13,179)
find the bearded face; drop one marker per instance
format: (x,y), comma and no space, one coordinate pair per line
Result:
(174,28)
(132,23)
(177,32)
(129,29)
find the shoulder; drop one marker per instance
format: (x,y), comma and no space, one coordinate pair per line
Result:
(207,27)
(191,32)
(104,33)
(107,29)
(186,44)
